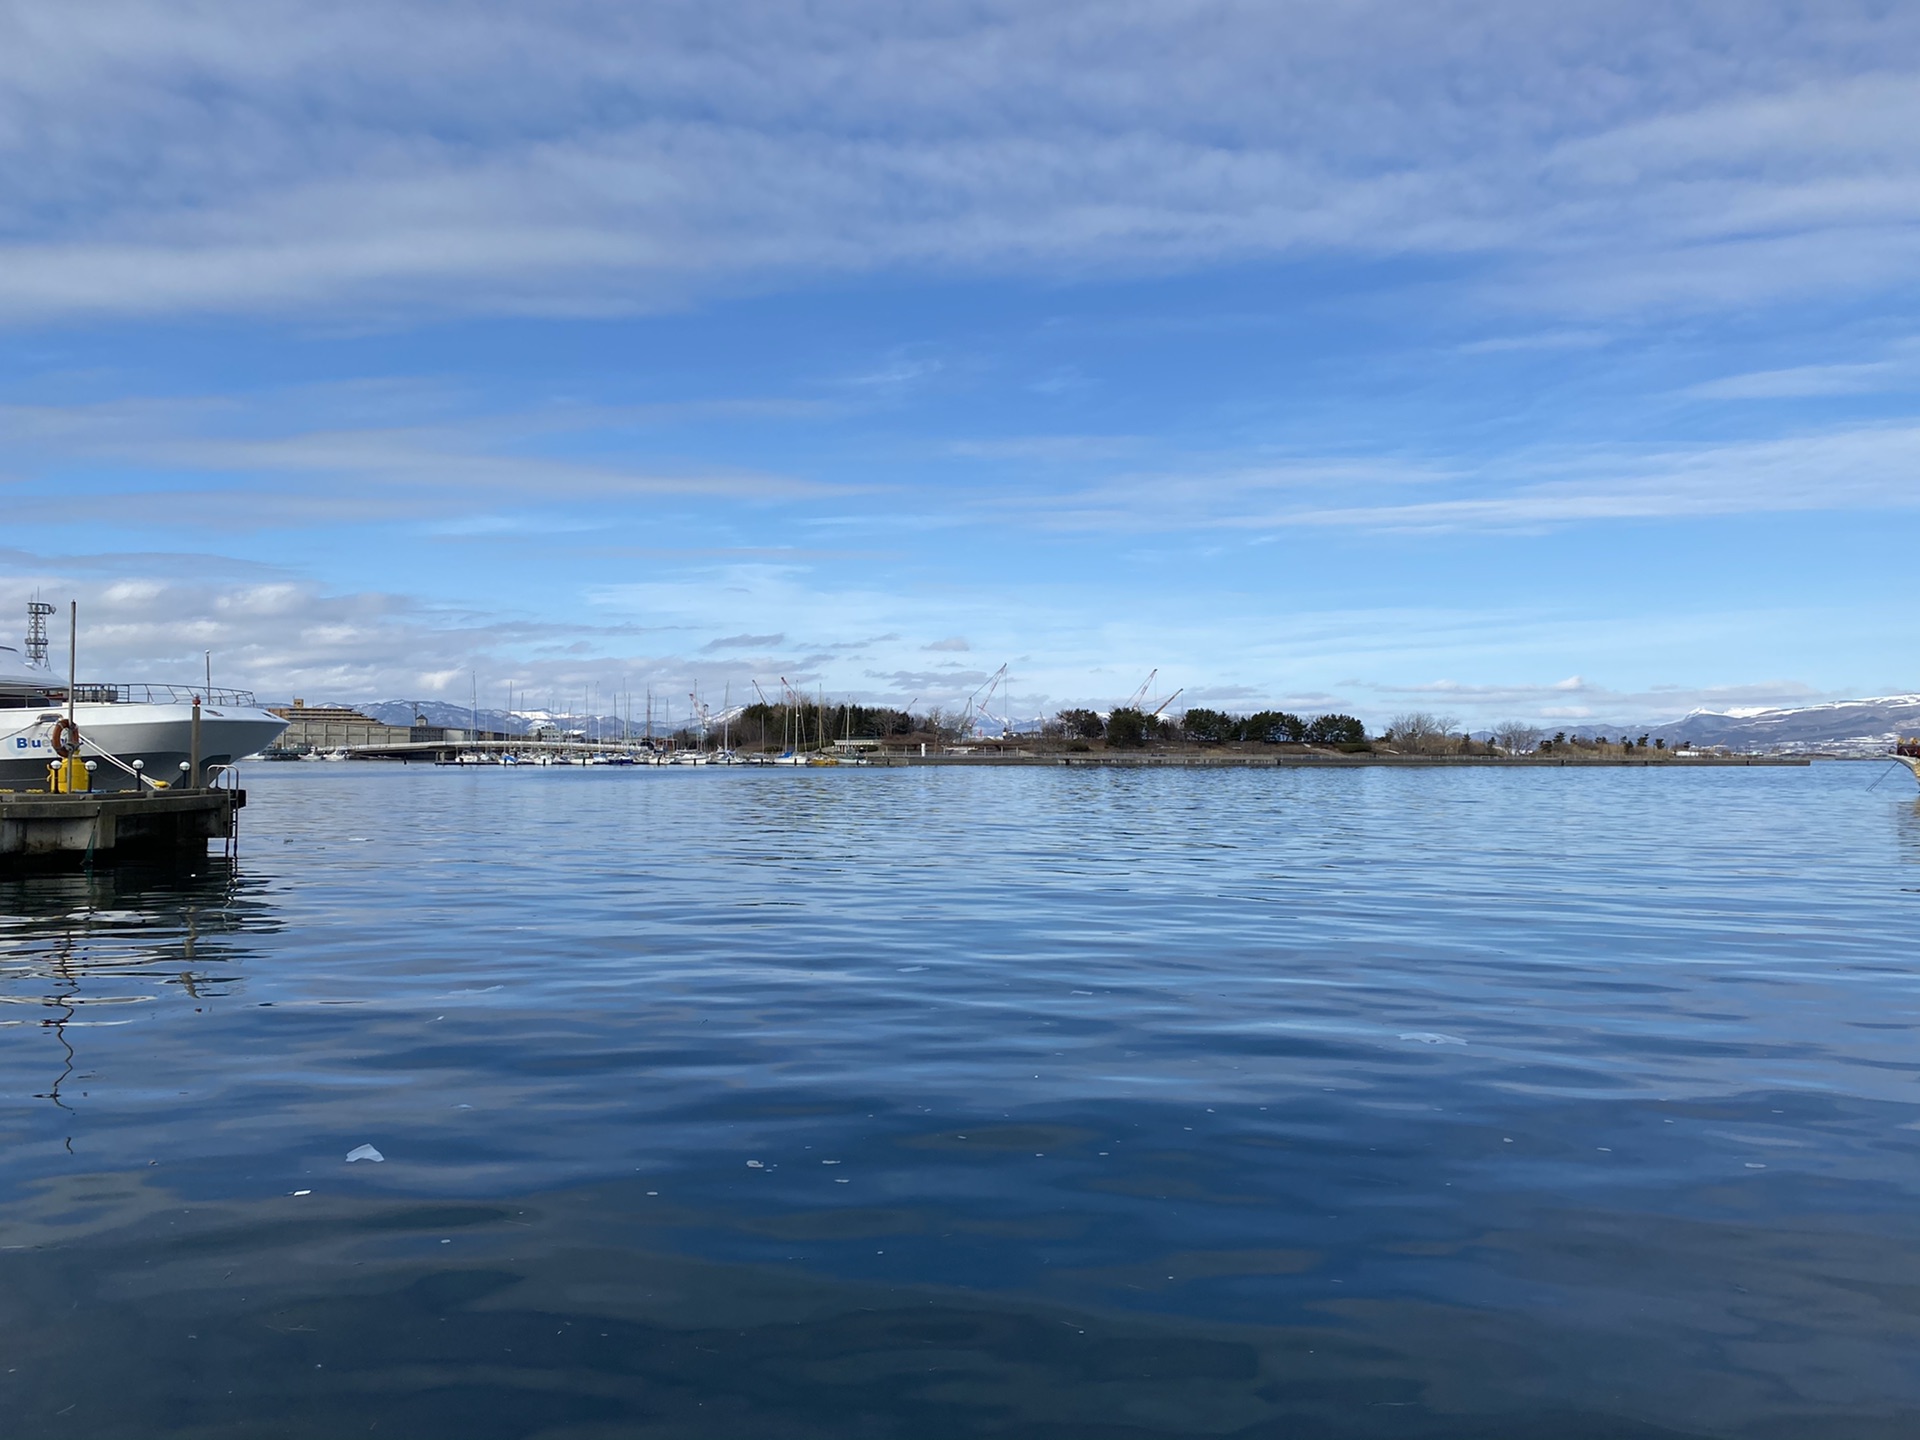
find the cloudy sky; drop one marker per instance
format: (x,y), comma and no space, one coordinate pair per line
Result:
(1503,359)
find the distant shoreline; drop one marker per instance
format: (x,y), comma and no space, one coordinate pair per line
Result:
(1201,760)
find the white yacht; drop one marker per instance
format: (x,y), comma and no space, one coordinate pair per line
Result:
(150,724)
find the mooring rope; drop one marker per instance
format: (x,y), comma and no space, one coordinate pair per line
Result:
(113,759)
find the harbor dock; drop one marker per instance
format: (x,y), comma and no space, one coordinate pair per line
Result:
(51,830)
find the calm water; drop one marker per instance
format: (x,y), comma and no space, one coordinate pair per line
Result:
(1016,1103)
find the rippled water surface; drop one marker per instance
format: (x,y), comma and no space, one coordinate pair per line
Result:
(1032,1103)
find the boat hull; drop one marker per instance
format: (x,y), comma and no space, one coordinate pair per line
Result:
(159,736)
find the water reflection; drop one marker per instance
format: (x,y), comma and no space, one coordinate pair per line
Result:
(569,1314)
(1907,826)
(81,952)
(1435,1104)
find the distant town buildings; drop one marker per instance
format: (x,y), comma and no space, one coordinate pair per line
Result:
(315,728)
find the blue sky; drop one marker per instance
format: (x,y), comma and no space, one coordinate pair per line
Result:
(1502,360)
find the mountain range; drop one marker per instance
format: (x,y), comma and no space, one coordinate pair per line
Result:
(501,722)
(1840,727)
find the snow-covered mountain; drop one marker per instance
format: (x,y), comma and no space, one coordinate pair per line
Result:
(500,722)
(1842,727)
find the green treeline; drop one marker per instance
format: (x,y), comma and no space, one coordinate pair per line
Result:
(808,727)
(1127,728)
(1272,727)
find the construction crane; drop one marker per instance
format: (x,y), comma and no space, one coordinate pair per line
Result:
(1002,684)
(1155,712)
(1139,697)
(971,710)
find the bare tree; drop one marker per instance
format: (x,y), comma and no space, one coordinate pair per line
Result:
(1419,732)
(1516,737)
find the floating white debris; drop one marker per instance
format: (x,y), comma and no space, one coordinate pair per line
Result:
(1432,1037)
(303,1192)
(364,1152)
(755,1165)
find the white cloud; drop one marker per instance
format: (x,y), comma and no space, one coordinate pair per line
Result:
(399,158)
(1537,340)
(1809,381)
(1062,448)
(692,626)
(199,463)
(1859,469)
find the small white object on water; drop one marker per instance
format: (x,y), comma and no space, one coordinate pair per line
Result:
(755,1165)
(1432,1037)
(303,1192)
(364,1152)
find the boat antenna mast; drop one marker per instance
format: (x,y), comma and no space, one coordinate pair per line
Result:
(37,613)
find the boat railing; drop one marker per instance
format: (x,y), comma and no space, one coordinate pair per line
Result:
(144,694)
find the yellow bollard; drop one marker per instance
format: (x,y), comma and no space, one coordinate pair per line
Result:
(69,776)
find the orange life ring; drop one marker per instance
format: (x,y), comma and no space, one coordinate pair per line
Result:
(65,738)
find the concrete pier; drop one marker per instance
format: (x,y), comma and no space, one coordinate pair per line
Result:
(42,830)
